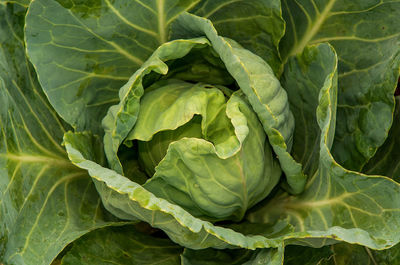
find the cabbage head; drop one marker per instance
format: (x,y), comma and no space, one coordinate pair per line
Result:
(194,132)
(203,150)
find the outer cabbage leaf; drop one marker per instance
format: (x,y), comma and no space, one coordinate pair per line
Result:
(122,245)
(366,36)
(256,24)
(295,255)
(346,254)
(337,204)
(389,256)
(341,254)
(214,257)
(303,79)
(45,201)
(268,256)
(84,54)
(386,160)
(128,245)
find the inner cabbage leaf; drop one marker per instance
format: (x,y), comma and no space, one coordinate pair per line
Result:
(204,152)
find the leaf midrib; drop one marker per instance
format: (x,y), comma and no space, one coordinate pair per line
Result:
(313,204)
(41,159)
(311,31)
(161,21)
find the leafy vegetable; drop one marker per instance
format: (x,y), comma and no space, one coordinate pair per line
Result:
(122,245)
(199,132)
(45,202)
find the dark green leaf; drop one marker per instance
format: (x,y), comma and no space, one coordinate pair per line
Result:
(122,246)
(271,256)
(341,254)
(387,159)
(389,256)
(337,204)
(256,24)
(209,256)
(346,254)
(45,201)
(84,53)
(216,257)
(366,36)
(295,255)
(303,78)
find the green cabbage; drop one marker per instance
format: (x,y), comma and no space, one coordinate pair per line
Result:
(199,132)
(204,151)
